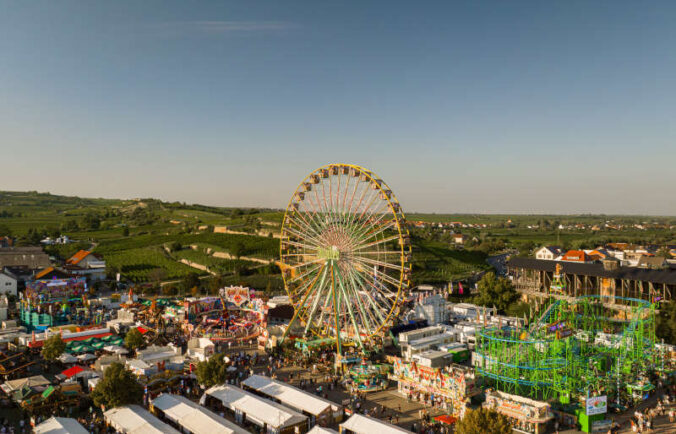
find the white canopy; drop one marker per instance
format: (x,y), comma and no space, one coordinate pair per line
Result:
(86,356)
(67,358)
(258,410)
(321,430)
(359,424)
(289,395)
(133,419)
(60,425)
(115,349)
(194,418)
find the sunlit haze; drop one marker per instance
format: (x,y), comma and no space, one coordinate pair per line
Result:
(508,107)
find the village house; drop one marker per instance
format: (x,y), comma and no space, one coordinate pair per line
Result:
(88,264)
(548,252)
(8,283)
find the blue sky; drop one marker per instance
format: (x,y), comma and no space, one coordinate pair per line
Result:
(476,106)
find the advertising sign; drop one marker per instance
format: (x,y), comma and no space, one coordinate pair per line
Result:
(597,405)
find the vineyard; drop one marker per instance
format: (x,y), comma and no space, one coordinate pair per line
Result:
(216,265)
(242,245)
(436,262)
(142,264)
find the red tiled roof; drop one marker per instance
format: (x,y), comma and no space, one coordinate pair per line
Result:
(142,330)
(79,256)
(575,255)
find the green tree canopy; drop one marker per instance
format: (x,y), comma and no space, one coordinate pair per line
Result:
(117,388)
(665,328)
(494,291)
(212,372)
(133,339)
(53,347)
(483,421)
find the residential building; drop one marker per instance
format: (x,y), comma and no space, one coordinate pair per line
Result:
(575,256)
(32,258)
(460,238)
(548,252)
(86,263)
(8,283)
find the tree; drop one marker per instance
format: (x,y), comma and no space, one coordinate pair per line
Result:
(665,327)
(5,231)
(237,249)
(494,291)
(125,231)
(483,421)
(175,246)
(213,371)
(190,281)
(133,339)
(117,388)
(53,347)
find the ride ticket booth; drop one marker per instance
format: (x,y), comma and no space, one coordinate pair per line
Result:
(525,415)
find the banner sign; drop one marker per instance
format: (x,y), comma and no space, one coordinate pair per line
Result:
(597,405)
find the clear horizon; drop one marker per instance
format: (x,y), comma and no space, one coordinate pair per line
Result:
(484,107)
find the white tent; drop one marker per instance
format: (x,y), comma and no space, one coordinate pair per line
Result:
(133,419)
(258,410)
(290,396)
(359,424)
(86,356)
(60,425)
(116,349)
(67,358)
(321,430)
(192,417)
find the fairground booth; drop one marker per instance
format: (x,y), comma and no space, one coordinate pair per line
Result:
(450,388)
(47,303)
(525,414)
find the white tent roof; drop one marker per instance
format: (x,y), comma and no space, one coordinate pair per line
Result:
(321,430)
(366,425)
(259,410)
(193,417)
(133,419)
(60,425)
(289,395)
(67,358)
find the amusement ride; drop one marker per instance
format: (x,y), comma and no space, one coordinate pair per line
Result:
(345,256)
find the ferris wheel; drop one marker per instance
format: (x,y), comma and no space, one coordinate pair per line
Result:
(345,254)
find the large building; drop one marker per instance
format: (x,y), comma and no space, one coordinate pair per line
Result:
(32,258)
(534,279)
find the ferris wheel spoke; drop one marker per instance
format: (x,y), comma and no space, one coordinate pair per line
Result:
(377,242)
(357,331)
(315,243)
(365,285)
(360,306)
(317,297)
(374,232)
(304,223)
(370,261)
(305,273)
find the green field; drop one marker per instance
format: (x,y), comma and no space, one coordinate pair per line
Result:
(132,236)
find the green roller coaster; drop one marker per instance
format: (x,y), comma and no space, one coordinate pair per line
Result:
(591,345)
